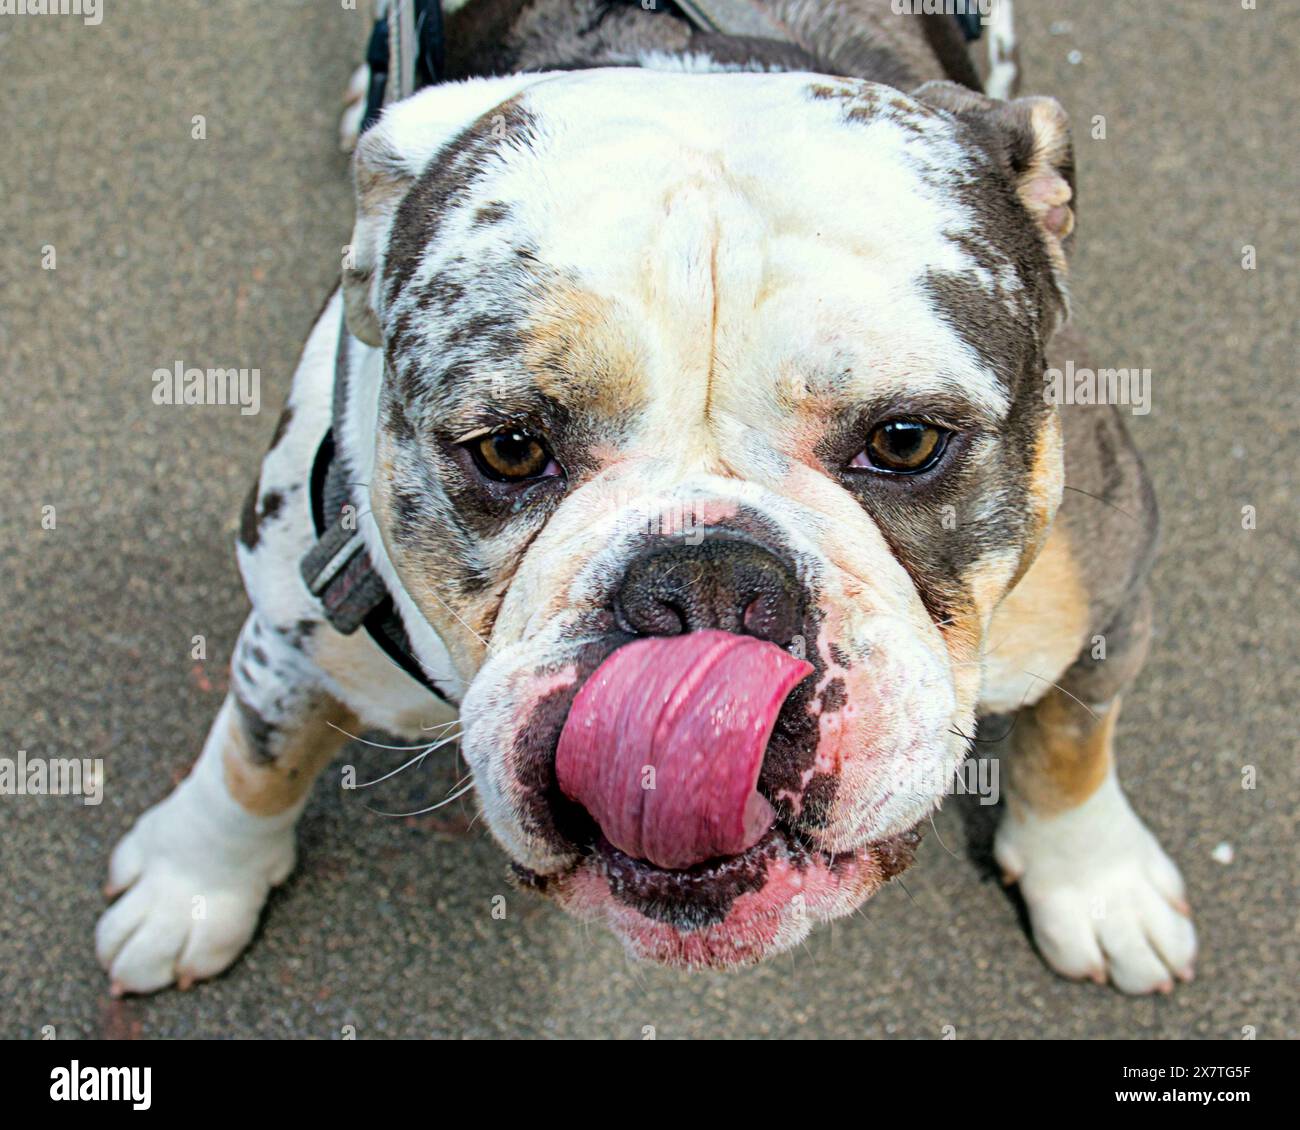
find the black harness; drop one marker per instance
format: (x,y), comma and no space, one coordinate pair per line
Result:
(337,569)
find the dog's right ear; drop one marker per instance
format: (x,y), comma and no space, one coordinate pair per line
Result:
(1030,137)
(390,157)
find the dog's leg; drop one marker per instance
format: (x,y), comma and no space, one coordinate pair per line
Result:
(195,870)
(1104,900)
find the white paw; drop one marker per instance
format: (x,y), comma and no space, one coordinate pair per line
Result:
(192,876)
(354,108)
(1104,900)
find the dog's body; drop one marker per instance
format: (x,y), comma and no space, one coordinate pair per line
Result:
(703,290)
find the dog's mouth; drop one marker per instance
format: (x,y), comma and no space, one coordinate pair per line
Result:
(725,912)
(664,744)
(657,768)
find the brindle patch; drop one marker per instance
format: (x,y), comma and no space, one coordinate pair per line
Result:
(494,212)
(834,698)
(862,103)
(260,733)
(296,635)
(819,800)
(256,514)
(248,518)
(446,184)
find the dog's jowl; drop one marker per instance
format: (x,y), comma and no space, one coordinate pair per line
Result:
(691,424)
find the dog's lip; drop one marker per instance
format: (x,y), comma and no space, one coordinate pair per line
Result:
(728,912)
(631,873)
(632,876)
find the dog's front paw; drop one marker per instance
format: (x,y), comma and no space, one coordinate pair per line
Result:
(1104,900)
(192,882)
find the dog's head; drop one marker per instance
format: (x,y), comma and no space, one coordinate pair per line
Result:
(668,357)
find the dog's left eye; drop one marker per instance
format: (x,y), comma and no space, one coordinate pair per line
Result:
(512,457)
(903,447)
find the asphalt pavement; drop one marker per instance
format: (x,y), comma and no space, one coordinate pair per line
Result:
(217,250)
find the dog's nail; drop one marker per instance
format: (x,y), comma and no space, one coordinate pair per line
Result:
(1009,880)
(111,892)
(1187,974)
(1097,976)
(1183,907)
(1165,987)
(185,981)
(116,990)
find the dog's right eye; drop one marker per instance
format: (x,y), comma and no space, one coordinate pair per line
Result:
(903,447)
(512,457)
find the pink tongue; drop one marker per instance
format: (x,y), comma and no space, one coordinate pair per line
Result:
(696,709)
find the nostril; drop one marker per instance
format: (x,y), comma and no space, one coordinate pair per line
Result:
(769,617)
(722,583)
(653,617)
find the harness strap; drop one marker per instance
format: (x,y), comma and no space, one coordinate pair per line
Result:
(337,570)
(403,49)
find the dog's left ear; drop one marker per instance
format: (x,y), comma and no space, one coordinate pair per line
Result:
(392,155)
(1030,137)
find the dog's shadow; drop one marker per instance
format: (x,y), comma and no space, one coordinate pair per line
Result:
(980,820)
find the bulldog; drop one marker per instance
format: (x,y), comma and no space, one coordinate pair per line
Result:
(690,416)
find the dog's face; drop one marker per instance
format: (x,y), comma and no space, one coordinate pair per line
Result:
(760,353)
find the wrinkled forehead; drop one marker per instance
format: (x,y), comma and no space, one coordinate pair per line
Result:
(615,224)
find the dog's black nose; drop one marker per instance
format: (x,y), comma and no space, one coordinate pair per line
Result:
(723,583)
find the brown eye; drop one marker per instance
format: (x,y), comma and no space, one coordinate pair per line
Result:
(904,447)
(512,457)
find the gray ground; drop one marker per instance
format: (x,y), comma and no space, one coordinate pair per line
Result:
(218,252)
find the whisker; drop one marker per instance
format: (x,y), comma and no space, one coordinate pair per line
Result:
(415,760)
(422,811)
(988,741)
(462,780)
(440,725)
(1062,690)
(1103,501)
(938,837)
(376,745)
